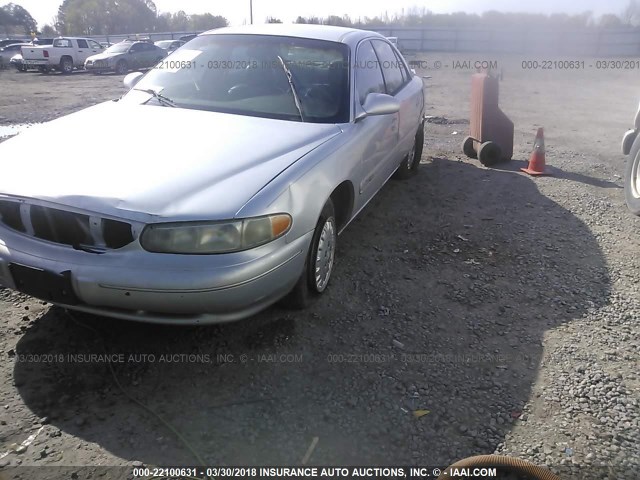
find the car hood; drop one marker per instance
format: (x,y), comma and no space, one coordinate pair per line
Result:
(104,56)
(151,163)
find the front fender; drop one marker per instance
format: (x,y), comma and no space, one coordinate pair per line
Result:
(303,188)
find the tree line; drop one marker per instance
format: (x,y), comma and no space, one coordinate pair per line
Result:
(421,17)
(104,17)
(16,19)
(108,17)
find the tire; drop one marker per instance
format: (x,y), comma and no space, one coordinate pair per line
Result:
(632,179)
(66,65)
(409,166)
(44,70)
(122,67)
(467,148)
(321,256)
(489,154)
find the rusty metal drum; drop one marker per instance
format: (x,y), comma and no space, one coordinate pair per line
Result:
(490,131)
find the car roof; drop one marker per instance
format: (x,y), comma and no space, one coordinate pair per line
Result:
(134,42)
(319,32)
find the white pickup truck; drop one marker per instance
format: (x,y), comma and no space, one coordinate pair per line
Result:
(65,54)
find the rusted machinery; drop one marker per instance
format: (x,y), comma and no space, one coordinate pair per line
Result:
(490,137)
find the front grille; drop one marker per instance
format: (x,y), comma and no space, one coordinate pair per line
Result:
(63,227)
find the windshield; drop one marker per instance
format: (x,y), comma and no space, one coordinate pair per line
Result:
(118,48)
(244,74)
(164,43)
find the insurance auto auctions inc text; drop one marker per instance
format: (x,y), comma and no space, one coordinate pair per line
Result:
(372,472)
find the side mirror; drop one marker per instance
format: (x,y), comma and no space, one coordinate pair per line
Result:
(378,104)
(131,79)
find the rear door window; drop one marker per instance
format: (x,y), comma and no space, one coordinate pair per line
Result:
(62,42)
(393,77)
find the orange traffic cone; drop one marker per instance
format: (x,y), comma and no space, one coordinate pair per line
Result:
(537,162)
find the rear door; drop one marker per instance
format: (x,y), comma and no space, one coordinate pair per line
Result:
(136,56)
(379,134)
(152,54)
(94,47)
(398,83)
(82,51)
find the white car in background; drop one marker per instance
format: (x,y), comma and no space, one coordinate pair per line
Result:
(631,147)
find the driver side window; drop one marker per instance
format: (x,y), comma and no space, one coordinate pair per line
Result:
(368,74)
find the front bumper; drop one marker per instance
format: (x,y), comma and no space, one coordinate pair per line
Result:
(101,67)
(133,284)
(628,139)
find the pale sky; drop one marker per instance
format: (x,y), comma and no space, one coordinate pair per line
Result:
(237,11)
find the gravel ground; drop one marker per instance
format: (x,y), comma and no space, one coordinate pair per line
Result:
(471,311)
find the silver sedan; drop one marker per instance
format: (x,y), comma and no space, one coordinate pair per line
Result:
(231,169)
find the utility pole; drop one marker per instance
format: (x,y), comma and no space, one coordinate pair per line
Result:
(251,11)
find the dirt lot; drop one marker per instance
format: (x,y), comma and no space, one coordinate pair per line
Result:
(505,306)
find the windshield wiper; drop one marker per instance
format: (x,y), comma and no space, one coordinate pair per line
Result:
(296,99)
(166,101)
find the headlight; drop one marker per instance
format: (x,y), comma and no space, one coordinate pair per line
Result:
(214,237)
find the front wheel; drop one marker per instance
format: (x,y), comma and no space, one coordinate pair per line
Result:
(319,263)
(632,179)
(122,67)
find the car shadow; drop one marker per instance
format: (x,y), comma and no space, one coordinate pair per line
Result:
(515,166)
(425,348)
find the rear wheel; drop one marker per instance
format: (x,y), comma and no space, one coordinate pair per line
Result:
(44,69)
(632,179)
(409,166)
(66,65)
(319,263)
